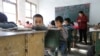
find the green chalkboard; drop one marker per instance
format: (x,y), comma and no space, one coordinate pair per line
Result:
(72,11)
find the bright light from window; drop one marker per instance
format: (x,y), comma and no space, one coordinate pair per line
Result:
(28,14)
(30,10)
(9,8)
(14,1)
(11,17)
(33,13)
(27,6)
(33,8)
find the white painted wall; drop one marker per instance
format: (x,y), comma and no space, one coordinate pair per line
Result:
(47,8)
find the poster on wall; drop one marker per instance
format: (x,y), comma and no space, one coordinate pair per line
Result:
(72,11)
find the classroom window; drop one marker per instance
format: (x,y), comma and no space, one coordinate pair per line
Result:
(9,8)
(30,10)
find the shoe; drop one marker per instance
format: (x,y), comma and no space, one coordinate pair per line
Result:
(80,41)
(86,43)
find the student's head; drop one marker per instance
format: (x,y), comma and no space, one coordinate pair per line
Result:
(98,24)
(38,19)
(27,22)
(53,22)
(58,21)
(67,21)
(81,13)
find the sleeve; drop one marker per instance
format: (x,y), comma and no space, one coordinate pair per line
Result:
(66,32)
(70,28)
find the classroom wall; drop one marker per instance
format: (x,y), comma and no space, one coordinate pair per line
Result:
(0,5)
(47,8)
(34,1)
(20,8)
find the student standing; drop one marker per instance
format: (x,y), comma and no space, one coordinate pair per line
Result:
(64,34)
(67,23)
(82,23)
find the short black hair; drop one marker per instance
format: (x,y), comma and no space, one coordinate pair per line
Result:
(53,22)
(27,22)
(38,15)
(98,23)
(68,20)
(59,18)
(81,12)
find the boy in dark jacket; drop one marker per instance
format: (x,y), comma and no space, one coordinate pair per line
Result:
(67,24)
(64,35)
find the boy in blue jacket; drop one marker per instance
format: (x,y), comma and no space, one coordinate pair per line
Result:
(67,23)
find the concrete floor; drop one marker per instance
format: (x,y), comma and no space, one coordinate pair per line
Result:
(79,50)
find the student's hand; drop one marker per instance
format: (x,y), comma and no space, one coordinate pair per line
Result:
(79,20)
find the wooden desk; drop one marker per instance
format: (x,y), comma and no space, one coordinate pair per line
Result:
(96,40)
(95,34)
(26,43)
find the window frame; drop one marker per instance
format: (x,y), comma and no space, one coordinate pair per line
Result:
(16,11)
(31,16)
